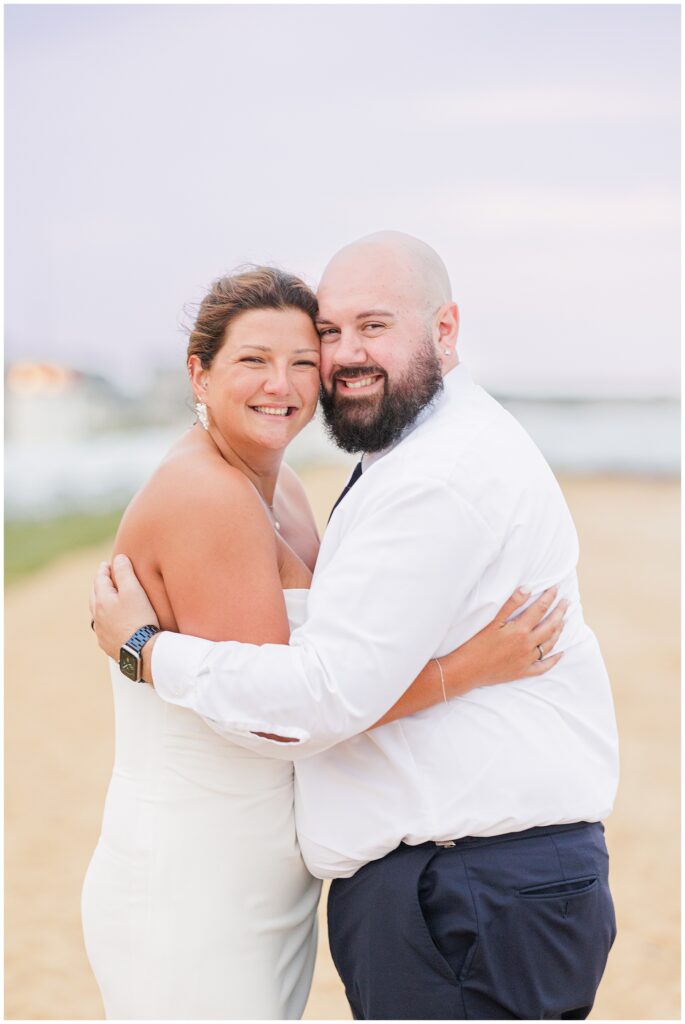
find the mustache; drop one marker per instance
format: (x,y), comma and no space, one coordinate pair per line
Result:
(350,372)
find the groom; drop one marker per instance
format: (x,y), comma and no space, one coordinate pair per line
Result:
(466,843)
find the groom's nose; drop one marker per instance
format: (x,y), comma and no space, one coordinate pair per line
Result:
(349,350)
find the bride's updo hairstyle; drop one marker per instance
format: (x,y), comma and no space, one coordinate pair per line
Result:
(252,288)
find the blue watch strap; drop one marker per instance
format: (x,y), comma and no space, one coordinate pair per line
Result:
(140,638)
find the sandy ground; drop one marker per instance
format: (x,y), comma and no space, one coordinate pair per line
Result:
(59,751)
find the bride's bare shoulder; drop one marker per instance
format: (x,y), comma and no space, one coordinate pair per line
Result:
(195,486)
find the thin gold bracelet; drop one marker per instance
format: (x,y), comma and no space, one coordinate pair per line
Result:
(442,678)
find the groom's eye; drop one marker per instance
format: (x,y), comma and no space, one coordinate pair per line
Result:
(326,333)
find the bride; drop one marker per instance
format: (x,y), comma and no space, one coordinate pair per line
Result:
(196,903)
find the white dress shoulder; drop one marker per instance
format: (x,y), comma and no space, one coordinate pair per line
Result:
(197,904)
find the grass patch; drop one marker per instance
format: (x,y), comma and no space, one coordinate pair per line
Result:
(31,545)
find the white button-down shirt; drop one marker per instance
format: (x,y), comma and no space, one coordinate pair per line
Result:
(419,556)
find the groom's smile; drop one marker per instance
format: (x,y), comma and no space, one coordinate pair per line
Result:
(359,381)
(347,384)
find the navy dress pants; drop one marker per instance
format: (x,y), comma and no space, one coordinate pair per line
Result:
(517,926)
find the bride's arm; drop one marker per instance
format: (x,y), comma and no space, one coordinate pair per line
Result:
(219,560)
(505,650)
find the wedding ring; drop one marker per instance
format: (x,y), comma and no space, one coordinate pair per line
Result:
(542,653)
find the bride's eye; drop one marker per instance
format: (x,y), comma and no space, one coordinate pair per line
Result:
(251,359)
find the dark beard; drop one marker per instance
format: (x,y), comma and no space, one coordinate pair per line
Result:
(375,423)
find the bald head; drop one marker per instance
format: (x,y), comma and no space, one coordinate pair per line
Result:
(400,261)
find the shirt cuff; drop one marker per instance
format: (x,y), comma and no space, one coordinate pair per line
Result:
(175,662)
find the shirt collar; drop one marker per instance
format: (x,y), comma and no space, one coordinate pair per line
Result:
(454,381)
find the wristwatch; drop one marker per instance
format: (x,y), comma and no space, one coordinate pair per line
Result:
(130,661)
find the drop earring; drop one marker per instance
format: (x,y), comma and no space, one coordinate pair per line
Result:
(201,413)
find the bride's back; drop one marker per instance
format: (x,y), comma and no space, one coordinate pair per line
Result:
(198,832)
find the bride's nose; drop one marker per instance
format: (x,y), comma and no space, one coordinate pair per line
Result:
(277,381)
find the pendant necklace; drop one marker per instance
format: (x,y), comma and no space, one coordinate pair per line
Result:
(202,415)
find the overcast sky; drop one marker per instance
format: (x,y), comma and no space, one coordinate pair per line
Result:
(150,149)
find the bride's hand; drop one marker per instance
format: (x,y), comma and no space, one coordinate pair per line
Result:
(507,649)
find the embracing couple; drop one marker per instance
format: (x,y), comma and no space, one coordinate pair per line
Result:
(311,712)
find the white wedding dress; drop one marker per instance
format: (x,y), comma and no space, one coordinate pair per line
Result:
(197,904)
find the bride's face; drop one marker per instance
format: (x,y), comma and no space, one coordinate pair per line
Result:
(263,384)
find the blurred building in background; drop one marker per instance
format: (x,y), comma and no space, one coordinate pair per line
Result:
(50,402)
(44,400)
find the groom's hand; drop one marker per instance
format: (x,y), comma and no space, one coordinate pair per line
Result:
(119,606)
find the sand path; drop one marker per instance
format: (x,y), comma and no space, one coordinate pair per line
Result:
(58,747)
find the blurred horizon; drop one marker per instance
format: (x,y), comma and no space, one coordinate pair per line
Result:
(151,148)
(76,444)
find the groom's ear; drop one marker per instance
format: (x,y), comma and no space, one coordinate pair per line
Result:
(447,325)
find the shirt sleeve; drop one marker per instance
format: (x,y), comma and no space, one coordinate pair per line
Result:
(377,612)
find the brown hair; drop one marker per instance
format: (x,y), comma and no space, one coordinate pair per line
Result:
(252,288)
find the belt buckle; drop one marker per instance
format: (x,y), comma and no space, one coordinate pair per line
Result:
(446,843)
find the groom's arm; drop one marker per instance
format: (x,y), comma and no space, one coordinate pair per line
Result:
(377,612)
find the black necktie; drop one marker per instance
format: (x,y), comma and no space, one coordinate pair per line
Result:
(348,486)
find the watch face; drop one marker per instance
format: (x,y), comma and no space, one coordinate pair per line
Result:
(129,664)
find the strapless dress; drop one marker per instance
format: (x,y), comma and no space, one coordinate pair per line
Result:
(196,903)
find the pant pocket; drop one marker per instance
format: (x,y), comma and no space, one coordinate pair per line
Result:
(546,948)
(448,919)
(564,889)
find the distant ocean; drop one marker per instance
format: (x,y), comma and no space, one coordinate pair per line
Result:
(581,436)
